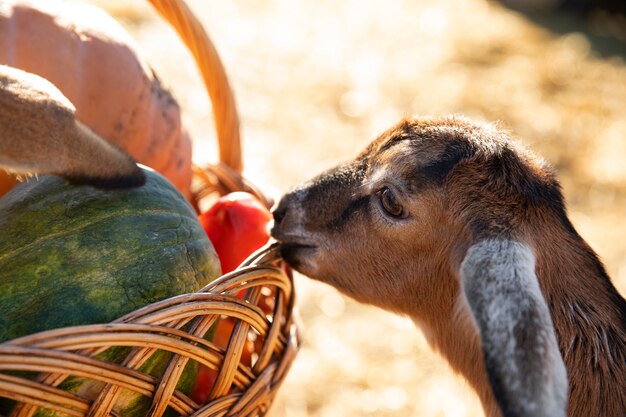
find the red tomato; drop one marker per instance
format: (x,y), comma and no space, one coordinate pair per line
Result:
(237,225)
(204,382)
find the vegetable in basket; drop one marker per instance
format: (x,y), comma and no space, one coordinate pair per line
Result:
(72,255)
(237,225)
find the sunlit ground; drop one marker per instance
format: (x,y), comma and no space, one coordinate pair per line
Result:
(317,80)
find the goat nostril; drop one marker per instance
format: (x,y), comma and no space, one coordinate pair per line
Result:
(279,214)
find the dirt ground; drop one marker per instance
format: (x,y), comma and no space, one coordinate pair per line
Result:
(317,80)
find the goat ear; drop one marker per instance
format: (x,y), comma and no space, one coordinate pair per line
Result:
(525,367)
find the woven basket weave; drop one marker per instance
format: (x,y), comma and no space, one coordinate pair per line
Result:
(178,324)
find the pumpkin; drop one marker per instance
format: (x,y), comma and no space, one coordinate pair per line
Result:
(87,55)
(72,255)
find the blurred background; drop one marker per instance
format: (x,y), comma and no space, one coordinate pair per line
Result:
(317,80)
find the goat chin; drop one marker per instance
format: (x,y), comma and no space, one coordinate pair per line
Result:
(453,223)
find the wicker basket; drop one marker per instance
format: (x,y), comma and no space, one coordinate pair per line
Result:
(178,324)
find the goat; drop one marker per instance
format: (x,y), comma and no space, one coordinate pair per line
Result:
(454,224)
(39,133)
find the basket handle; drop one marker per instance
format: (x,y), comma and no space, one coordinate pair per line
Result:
(178,14)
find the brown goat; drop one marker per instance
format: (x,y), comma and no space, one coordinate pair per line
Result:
(39,133)
(450,222)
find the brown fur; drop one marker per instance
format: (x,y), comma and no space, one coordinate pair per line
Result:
(460,182)
(40,134)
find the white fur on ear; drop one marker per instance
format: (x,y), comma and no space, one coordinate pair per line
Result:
(525,367)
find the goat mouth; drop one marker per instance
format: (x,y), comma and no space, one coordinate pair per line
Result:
(294,253)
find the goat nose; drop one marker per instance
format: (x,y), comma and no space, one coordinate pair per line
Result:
(280,212)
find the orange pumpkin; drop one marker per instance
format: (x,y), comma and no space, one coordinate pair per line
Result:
(98,67)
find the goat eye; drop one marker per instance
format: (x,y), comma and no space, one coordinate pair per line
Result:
(390,204)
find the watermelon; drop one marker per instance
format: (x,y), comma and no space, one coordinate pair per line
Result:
(72,255)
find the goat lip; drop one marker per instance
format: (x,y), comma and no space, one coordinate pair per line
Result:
(292,246)
(292,252)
